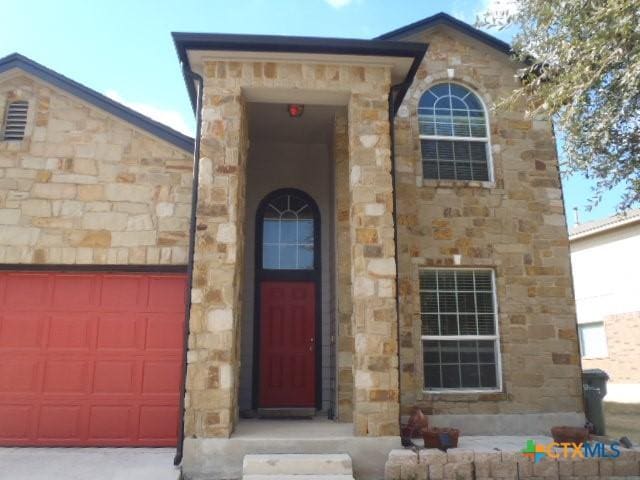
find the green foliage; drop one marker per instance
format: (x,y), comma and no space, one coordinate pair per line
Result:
(582,68)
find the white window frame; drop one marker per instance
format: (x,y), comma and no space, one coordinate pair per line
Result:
(580,342)
(486,139)
(495,338)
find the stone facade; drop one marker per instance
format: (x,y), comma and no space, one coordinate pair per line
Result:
(373,267)
(344,308)
(213,366)
(214,344)
(84,187)
(514,225)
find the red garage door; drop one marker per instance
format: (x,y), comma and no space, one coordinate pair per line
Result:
(90,358)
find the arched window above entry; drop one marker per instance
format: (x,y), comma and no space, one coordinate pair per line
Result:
(288,233)
(454,134)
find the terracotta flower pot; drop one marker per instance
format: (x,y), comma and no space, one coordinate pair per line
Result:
(417,421)
(441,438)
(565,434)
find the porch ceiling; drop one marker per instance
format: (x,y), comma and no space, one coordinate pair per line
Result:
(271,122)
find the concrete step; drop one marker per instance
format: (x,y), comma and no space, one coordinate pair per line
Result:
(283,465)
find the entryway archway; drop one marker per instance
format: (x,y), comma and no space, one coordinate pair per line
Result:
(287,331)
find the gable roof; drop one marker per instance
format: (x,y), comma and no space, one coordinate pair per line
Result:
(160,130)
(604,224)
(446,19)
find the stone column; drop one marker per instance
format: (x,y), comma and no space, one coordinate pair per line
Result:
(343,268)
(373,269)
(213,360)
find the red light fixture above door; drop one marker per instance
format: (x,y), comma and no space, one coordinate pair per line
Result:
(295,110)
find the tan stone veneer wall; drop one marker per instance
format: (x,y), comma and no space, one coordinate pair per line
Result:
(345,343)
(213,356)
(515,226)
(84,187)
(213,368)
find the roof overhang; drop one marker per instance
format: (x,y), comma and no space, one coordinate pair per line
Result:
(403,58)
(606,225)
(449,21)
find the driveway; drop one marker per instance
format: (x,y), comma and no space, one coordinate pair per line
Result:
(88,464)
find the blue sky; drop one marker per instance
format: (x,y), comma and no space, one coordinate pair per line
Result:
(123,48)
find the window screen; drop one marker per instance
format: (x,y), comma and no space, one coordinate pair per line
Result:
(453,134)
(459,334)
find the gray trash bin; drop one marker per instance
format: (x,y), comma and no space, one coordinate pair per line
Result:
(594,389)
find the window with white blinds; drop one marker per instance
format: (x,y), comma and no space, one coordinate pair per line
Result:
(454,134)
(459,330)
(15,120)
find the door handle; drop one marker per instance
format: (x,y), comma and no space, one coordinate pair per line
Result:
(312,340)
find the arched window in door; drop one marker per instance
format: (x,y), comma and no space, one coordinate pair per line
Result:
(288,221)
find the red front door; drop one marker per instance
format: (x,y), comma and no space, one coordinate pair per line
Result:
(287,344)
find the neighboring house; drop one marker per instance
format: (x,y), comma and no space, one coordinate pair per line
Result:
(605,260)
(344,268)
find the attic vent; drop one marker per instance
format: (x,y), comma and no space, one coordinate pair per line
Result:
(15,122)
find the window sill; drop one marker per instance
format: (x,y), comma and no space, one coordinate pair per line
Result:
(464,395)
(604,357)
(428,182)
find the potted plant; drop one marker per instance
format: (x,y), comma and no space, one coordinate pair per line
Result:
(441,438)
(566,434)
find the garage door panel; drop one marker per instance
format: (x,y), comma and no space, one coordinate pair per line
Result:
(73,292)
(90,358)
(19,373)
(15,421)
(26,290)
(71,331)
(110,422)
(153,424)
(123,293)
(161,377)
(166,294)
(66,376)
(119,331)
(164,331)
(59,422)
(21,330)
(114,376)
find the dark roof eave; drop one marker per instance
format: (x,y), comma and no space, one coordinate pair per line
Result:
(445,19)
(285,44)
(97,99)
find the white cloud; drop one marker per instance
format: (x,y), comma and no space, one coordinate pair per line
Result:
(339,3)
(171,118)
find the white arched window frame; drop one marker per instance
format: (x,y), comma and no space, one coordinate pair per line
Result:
(454,134)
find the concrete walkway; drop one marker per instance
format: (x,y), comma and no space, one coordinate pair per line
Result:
(88,464)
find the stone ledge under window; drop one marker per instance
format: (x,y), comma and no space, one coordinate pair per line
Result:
(460,396)
(429,182)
